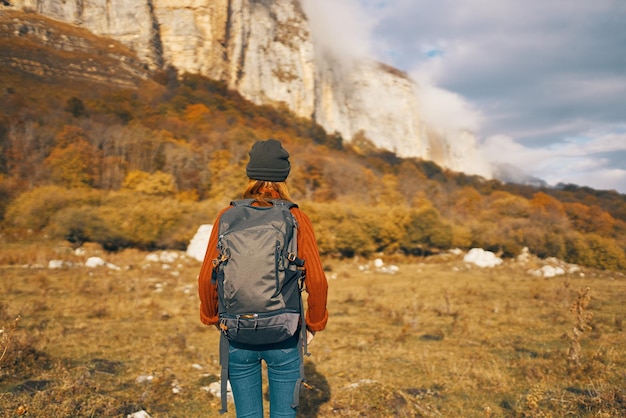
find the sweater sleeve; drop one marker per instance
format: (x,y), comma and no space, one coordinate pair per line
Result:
(207,290)
(316,283)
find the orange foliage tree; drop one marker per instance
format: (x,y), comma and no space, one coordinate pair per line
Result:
(74,161)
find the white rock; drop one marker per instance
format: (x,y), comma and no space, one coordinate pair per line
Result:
(152,257)
(144,378)
(138,414)
(547,271)
(56,264)
(93,262)
(361,383)
(524,255)
(482,258)
(168,256)
(198,244)
(551,271)
(573,268)
(215,389)
(113,266)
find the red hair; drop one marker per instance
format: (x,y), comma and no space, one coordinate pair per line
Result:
(264,191)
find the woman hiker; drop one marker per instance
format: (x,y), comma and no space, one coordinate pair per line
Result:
(267,170)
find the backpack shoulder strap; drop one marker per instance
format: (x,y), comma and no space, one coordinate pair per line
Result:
(285,203)
(241,202)
(275,202)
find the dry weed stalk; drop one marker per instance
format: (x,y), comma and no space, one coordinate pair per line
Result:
(533,403)
(487,411)
(6,337)
(582,320)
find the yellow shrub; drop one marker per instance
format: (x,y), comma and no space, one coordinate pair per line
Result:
(34,209)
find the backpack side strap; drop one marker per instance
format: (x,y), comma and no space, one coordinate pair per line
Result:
(302,352)
(224,354)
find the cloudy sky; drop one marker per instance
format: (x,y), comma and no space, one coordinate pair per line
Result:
(541,82)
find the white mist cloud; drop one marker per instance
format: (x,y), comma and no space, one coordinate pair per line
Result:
(340,28)
(345,30)
(541,84)
(444,110)
(581,161)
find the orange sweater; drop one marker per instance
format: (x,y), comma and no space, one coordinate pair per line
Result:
(316,284)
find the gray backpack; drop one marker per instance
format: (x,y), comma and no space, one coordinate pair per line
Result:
(259,278)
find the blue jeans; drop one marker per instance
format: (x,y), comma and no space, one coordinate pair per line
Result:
(283,371)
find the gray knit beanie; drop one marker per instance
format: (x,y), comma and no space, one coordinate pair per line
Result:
(269,161)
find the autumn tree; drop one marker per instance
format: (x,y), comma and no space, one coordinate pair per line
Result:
(310,177)
(27,145)
(503,204)
(549,224)
(546,208)
(594,250)
(425,230)
(410,179)
(155,184)
(590,219)
(384,225)
(467,203)
(73,162)
(76,107)
(35,209)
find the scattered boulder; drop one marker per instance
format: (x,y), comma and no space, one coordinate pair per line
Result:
(378,266)
(138,414)
(215,389)
(554,267)
(176,387)
(93,262)
(547,271)
(163,257)
(482,258)
(57,264)
(198,244)
(144,378)
(362,382)
(524,256)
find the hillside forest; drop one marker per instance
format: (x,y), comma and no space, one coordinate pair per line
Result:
(144,167)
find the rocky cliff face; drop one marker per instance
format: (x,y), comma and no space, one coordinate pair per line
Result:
(264,49)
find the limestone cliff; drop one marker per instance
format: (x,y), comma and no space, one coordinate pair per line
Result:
(264,50)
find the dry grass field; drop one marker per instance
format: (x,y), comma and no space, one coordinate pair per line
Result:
(437,339)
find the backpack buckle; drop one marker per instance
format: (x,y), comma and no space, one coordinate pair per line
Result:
(219,260)
(293,258)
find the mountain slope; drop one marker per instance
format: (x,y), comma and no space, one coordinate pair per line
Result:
(264,50)
(49,49)
(94,147)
